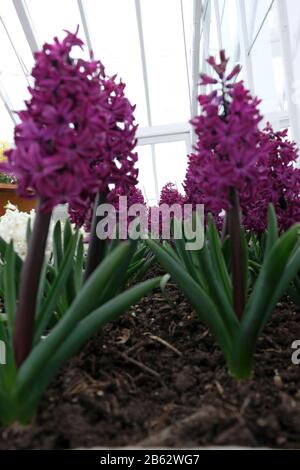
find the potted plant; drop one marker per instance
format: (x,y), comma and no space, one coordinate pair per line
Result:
(8,186)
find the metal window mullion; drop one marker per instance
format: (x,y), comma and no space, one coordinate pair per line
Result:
(186,55)
(26,23)
(154,169)
(146,86)
(143,59)
(288,66)
(188,143)
(19,58)
(296,43)
(163,129)
(252,22)
(162,139)
(261,26)
(205,43)
(197,16)
(280,117)
(218,24)
(85,27)
(244,41)
(6,102)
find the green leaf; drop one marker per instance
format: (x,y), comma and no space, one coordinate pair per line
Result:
(60,243)
(183,254)
(204,306)
(10,297)
(67,234)
(226,251)
(245,262)
(28,231)
(86,301)
(294,294)
(78,268)
(7,371)
(43,288)
(215,290)
(167,247)
(82,332)
(218,259)
(272,232)
(114,243)
(8,408)
(112,287)
(276,273)
(19,262)
(163,287)
(4,338)
(138,275)
(57,245)
(290,273)
(71,290)
(44,315)
(2,270)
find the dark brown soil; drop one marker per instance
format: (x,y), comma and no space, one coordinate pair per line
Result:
(156,377)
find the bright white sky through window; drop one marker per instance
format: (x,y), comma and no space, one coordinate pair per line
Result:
(163,100)
(115,40)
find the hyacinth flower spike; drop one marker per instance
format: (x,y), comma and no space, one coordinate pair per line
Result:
(224,168)
(63,153)
(225,157)
(47,160)
(75,141)
(114,163)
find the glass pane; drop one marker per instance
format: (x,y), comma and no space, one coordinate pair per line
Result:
(7,127)
(266,55)
(15,62)
(165,55)
(229,27)
(187,10)
(51,18)
(213,34)
(256,11)
(114,35)
(294,28)
(146,175)
(15,87)
(14,29)
(171,163)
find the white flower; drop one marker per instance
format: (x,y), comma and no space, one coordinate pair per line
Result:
(13,226)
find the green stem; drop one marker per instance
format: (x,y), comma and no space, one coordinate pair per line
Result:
(224,231)
(236,250)
(96,246)
(30,278)
(241,370)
